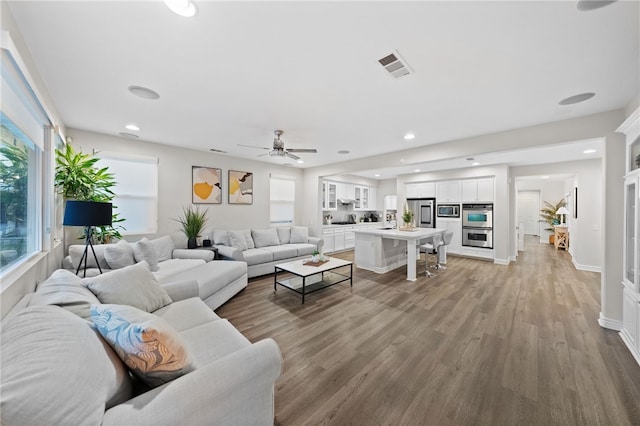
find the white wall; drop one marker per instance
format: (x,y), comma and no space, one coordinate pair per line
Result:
(585,231)
(386,187)
(174,182)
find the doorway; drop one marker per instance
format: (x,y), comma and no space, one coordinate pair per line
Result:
(529,212)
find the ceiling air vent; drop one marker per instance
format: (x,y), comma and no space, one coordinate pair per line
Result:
(395,65)
(217,150)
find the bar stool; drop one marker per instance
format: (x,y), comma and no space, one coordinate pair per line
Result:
(446,240)
(431,248)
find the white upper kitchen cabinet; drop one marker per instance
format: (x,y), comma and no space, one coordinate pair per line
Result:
(449,191)
(373,198)
(477,190)
(420,190)
(330,196)
(346,190)
(390,202)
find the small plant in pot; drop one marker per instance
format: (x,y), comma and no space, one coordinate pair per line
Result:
(193,222)
(548,214)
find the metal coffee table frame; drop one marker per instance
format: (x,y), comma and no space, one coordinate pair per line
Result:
(308,279)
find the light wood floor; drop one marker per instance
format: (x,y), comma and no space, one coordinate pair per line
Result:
(481,344)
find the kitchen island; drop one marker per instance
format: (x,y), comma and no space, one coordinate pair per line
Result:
(382,250)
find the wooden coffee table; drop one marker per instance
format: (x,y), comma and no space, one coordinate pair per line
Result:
(309,278)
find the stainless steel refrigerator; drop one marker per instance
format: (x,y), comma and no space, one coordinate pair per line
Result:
(424,211)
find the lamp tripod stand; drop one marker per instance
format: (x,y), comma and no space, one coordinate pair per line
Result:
(88,232)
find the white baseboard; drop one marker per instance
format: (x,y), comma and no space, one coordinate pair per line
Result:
(501,261)
(513,258)
(590,268)
(609,323)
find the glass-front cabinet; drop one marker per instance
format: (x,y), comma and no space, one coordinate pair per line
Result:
(630,332)
(330,196)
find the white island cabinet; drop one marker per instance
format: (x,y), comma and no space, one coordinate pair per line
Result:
(382,250)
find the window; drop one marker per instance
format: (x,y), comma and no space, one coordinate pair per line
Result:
(24,126)
(136,190)
(282,200)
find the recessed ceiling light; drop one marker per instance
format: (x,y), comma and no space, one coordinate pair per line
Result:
(544,177)
(184,8)
(585,5)
(287,164)
(577,98)
(128,135)
(377,175)
(143,92)
(300,161)
(132,126)
(343,152)
(475,164)
(589,151)
(409,136)
(416,170)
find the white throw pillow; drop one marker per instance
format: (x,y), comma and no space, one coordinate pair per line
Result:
(151,348)
(265,237)
(237,240)
(57,370)
(134,285)
(144,250)
(284,234)
(65,289)
(221,237)
(76,251)
(299,234)
(119,255)
(164,247)
(248,238)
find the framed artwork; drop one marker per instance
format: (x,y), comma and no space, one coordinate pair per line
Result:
(575,202)
(206,185)
(240,187)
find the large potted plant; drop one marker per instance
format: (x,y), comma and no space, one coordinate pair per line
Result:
(193,222)
(548,215)
(78,178)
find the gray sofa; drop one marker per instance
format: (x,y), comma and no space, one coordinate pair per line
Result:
(58,367)
(262,249)
(218,281)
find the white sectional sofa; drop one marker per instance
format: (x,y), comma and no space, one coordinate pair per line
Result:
(262,249)
(74,352)
(218,281)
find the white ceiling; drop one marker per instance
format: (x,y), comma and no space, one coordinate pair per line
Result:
(238,70)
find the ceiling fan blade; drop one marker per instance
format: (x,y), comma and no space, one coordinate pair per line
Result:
(311,151)
(288,154)
(253,146)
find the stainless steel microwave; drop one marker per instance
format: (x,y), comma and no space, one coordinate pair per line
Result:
(448,210)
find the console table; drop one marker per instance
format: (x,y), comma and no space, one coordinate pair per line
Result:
(561,237)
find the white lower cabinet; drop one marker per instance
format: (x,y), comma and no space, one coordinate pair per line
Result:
(631,320)
(349,237)
(455,226)
(327,236)
(338,239)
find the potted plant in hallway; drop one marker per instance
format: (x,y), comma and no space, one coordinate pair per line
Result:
(193,222)
(548,214)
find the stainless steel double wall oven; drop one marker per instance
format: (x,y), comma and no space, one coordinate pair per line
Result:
(477,225)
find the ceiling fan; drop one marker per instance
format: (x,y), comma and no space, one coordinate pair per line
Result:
(278,149)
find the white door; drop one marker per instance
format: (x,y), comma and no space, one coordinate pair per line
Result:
(529,211)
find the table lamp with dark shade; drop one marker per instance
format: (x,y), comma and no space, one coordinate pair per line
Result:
(87,214)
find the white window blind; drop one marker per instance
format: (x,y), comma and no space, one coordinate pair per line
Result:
(136,190)
(282,200)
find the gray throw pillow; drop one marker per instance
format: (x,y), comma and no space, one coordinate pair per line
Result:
(237,240)
(144,250)
(57,370)
(134,285)
(65,289)
(151,348)
(76,251)
(265,237)
(119,255)
(299,234)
